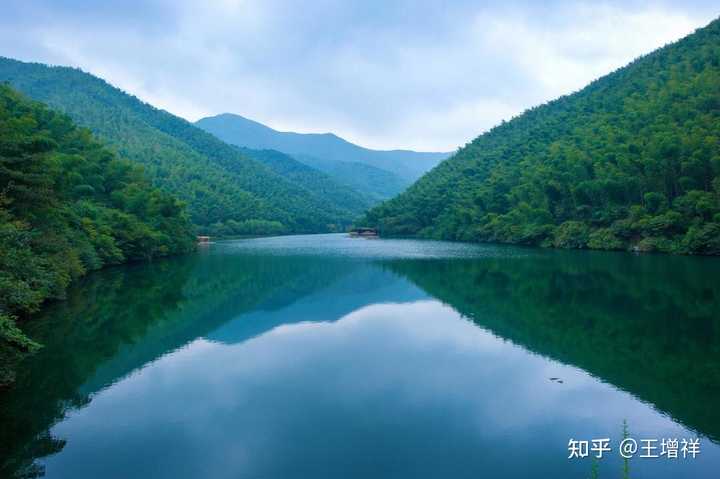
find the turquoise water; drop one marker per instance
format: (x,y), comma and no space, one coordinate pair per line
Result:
(326,356)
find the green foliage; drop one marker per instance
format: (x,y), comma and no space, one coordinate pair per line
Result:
(348,201)
(13,343)
(67,206)
(604,238)
(247,228)
(571,234)
(703,239)
(215,180)
(631,161)
(374,183)
(626,461)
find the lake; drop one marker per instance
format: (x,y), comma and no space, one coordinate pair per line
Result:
(325,357)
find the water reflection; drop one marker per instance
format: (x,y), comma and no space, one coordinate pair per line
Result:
(649,325)
(265,359)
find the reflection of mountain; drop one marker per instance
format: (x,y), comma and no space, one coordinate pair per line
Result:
(219,289)
(361,285)
(121,319)
(648,326)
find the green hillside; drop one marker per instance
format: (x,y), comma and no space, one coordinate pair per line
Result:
(631,161)
(315,180)
(68,205)
(237,130)
(374,183)
(219,184)
(348,200)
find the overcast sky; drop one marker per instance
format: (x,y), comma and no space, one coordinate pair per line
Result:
(384,74)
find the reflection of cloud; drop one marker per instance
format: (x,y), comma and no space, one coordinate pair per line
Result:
(426,75)
(404,390)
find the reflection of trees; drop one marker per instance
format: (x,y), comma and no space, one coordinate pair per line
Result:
(648,325)
(119,319)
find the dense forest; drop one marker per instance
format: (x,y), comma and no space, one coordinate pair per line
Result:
(374,183)
(224,189)
(346,199)
(68,205)
(631,161)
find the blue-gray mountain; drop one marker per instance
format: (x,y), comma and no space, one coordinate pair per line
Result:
(382,174)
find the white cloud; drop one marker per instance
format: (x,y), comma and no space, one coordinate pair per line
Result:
(385,75)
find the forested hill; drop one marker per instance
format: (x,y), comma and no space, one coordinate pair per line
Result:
(223,188)
(632,160)
(237,130)
(372,182)
(348,202)
(68,205)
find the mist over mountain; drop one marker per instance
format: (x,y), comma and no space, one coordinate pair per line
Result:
(318,149)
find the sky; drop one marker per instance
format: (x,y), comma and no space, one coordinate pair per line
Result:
(384,74)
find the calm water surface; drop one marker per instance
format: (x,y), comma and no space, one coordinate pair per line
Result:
(329,357)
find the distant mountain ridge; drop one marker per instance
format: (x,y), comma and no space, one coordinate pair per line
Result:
(406,165)
(225,189)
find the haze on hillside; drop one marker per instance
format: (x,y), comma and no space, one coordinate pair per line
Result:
(244,132)
(378,174)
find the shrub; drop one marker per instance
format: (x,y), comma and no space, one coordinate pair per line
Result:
(604,238)
(571,235)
